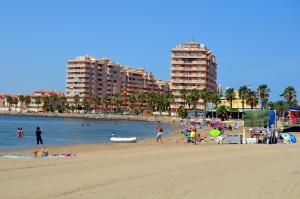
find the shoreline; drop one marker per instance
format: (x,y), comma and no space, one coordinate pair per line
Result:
(95,116)
(86,147)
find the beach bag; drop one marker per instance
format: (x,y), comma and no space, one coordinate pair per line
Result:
(292,138)
(286,138)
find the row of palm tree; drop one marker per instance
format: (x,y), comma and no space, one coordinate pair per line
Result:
(137,103)
(260,96)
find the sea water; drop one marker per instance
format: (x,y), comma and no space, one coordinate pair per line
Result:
(67,131)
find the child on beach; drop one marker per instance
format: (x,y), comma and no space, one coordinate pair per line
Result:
(159,134)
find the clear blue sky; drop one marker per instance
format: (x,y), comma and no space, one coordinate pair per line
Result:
(254,41)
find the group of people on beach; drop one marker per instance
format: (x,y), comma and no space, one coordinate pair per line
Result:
(38,135)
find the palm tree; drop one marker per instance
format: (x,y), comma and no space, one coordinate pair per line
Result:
(281,107)
(96,102)
(168,99)
(106,101)
(221,112)
(206,97)
(86,105)
(216,99)
(252,99)
(27,100)
(37,101)
(264,93)
(10,101)
(63,103)
(186,95)
(21,100)
(15,101)
(142,98)
(118,101)
(132,100)
(195,96)
(230,96)
(54,101)
(289,95)
(76,101)
(47,106)
(152,99)
(243,92)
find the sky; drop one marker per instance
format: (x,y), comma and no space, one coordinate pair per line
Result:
(254,42)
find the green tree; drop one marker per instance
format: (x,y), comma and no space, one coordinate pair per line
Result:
(96,102)
(289,94)
(182,112)
(264,93)
(47,105)
(118,101)
(186,95)
(195,96)
(222,112)
(9,101)
(142,99)
(281,107)
(243,92)
(15,101)
(152,99)
(252,99)
(21,99)
(106,101)
(230,96)
(63,103)
(76,101)
(37,101)
(216,99)
(27,100)
(168,98)
(132,100)
(86,105)
(206,96)
(54,100)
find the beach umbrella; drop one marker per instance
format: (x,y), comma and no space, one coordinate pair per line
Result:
(215,132)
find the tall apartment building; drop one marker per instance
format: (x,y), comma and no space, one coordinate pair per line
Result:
(88,77)
(192,66)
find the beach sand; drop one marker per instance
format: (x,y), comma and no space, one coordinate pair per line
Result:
(150,170)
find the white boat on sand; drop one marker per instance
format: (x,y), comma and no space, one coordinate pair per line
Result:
(123,140)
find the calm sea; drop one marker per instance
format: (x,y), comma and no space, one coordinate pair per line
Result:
(66,131)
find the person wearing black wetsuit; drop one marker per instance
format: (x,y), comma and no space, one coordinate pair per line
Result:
(38,134)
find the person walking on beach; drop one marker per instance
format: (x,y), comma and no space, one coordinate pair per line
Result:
(159,134)
(38,134)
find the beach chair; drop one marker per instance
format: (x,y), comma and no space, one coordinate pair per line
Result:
(217,140)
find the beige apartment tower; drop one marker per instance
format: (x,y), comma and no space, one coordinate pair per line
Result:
(192,66)
(88,77)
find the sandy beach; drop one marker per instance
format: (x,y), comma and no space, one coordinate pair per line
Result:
(150,170)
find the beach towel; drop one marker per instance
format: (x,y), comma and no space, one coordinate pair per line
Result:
(31,156)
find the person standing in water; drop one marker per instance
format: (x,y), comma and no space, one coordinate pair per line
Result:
(20,132)
(38,134)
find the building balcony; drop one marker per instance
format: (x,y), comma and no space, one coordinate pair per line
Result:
(188,75)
